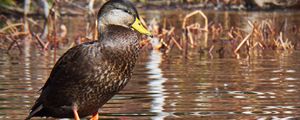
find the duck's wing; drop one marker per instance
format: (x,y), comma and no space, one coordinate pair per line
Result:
(72,67)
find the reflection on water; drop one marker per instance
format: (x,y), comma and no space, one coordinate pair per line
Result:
(173,87)
(156,84)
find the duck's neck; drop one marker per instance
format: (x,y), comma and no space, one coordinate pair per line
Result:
(103,27)
(119,38)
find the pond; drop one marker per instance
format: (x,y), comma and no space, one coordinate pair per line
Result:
(173,86)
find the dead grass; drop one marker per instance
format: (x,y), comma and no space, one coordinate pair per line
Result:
(201,35)
(262,35)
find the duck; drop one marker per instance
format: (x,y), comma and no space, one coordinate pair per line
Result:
(88,75)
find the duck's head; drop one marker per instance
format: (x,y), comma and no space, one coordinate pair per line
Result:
(121,13)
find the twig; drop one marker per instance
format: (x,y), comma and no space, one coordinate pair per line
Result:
(42,44)
(192,14)
(10,26)
(11,45)
(171,31)
(176,43)
(243,41)
(281,41)
(211,49)
(19,34)
(190,36)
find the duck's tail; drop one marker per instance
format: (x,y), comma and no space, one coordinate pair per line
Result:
(36,108)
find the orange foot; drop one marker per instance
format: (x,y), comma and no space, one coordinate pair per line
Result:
(76,116)
(95,116)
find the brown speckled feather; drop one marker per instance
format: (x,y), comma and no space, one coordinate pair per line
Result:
(89,74)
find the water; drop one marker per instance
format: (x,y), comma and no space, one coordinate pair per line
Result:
(173,86)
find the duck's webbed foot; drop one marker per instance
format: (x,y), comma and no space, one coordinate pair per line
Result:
(95,116)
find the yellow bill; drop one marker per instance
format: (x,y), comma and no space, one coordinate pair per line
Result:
(138,26)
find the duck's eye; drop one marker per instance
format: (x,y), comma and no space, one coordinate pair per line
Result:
(126,11)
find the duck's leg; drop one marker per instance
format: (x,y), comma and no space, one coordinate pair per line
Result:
(76,116)
(95,116)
